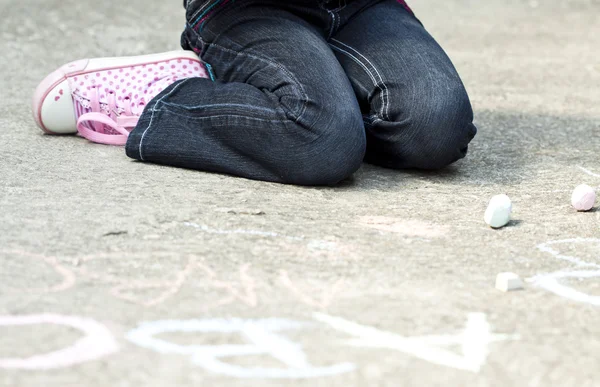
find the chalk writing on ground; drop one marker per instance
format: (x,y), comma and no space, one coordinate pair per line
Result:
(328,294)
(67,276)
(149,291)
(262,338)
(244,292)
(579,269)
(587,171)
(404,227)
(134,290)
(313,244)
(121,287)
(97,342)
(473,340)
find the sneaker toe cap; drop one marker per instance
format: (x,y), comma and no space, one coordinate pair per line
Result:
(53,108)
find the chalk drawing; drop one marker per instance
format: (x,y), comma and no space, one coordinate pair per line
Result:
(313,244)
(271,234)
(245,292)
(120,285)
(473,340)
(125,288)
(245,289)
(585,170)
(327,296)
(546,248)
(322,245)
(550,281)
(150,292)
(170,288)
(97,343)
(67,276)
(262,339)
(405,227)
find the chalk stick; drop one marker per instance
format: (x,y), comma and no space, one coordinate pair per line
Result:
(583,197)
(507,282)
(498,212)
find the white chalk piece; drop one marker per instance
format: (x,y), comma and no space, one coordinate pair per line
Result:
(507,282)
(498,211)
(583,198)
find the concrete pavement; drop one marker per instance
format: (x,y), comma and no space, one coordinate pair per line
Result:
(119,273)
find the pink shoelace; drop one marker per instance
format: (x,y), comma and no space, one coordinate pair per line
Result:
(106,122)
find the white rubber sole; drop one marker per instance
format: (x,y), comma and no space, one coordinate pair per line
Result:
(53,108)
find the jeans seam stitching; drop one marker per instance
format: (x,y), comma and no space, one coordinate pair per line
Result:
(340,7)
(387,92)
(154,110)
(383,87)
(336,24)
(197,37)
(185,107)
(206,3)
(332,24)
(280,67)
(223,116)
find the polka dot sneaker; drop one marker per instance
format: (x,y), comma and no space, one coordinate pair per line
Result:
(102,98)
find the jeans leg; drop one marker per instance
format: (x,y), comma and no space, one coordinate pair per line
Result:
(281,108)
(417,112)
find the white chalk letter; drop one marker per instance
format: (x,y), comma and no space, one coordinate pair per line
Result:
(262,340)
(473,340)
(97,342)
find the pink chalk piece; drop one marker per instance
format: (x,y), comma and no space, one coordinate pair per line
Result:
(583,198)
(98,342)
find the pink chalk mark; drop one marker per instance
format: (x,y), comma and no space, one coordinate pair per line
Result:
(247,293)
(68,278)
(97,343)
(171,288)
(327,296)
(121,286)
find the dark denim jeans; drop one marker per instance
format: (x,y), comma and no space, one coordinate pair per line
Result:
(305,90)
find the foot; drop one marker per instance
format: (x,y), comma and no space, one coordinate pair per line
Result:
(102,98)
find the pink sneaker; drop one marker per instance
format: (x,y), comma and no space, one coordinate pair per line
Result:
(102,98)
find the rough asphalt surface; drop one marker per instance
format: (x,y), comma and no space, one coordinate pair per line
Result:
(385,280)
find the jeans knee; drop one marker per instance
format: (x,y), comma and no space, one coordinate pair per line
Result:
(430,135)
(334,155)
(449,145)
